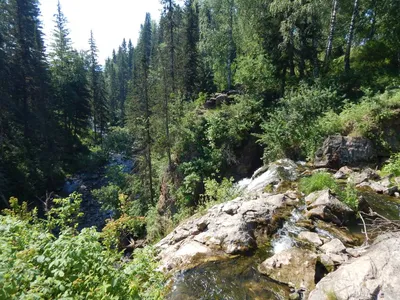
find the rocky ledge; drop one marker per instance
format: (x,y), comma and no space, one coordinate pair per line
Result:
(226,229)
(373,275)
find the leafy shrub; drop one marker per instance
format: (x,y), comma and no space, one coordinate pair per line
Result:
(65,212)
(216,192)
(157,226)
(350,196)
(393,165)
(108,197)
(366,118)
(118,140)
(35,264)
(289,130)
(317,182)
(255,71)
(118,232)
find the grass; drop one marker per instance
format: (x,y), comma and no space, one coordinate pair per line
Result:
(323,180)
(318,181)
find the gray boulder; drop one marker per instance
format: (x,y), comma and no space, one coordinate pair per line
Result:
(295,267)
(226,229)
(338,151)
(325,206)
(373,275)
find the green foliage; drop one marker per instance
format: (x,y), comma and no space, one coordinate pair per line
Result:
(255,71)
(157,226)
(65,212)
(318,181)
(350,196)
(121,230)
(217,192)
(35,264)
(108,196)
(118,140)
(369,118)
(289,130)
(392,166)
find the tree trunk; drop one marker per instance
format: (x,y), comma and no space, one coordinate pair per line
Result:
(291,53)
(172,47)
(148,138)
(350,37)
(373,24)
(303,43)
(315,48)
(230,46)
(332,29)
(167,119)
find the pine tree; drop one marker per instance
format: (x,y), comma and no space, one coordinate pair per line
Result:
(191,42)
(140,107)
(97,92)
(68,77)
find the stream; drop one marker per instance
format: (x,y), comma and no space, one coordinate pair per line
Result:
(238,278)
(84,183)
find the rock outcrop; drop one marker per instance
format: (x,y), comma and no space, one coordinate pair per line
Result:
(325,206)
(338,151)
(226,229)
(373,275)
(295,267)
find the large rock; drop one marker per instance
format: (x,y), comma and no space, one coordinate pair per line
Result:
(325,206)
(227,228)
(338,151)
(373,275)
(310,237)
(295,267)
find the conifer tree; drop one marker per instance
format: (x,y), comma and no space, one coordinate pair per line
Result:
(97,91)
(68,77)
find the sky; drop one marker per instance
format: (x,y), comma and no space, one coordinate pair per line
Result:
(110,20)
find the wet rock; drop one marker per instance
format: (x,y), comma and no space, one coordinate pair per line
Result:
(341,233)
(338,151)
(373,275)
(334,246)
(324,205)
(323,213)
(379,188)
(220,98)
(310,237)
(296,266)
(339,175)
(226,229)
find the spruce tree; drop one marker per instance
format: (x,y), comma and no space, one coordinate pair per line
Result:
(97,92)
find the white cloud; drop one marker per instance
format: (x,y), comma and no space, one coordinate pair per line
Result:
(110,20)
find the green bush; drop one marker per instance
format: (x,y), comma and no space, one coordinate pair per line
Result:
(350,196)
(108,197)
(217,192)
(289,129)
(392,166)
(317,182)
(36,264)
(118,140)
(366,118)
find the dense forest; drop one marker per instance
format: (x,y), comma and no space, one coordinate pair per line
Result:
(209,93)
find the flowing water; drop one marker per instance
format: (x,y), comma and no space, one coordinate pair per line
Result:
(234,279)
(238,278)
